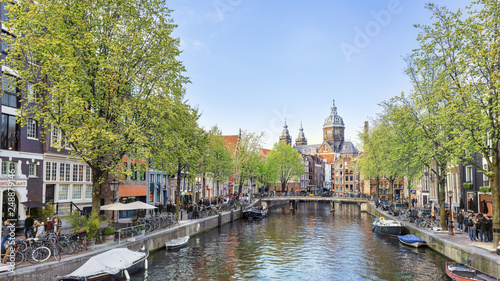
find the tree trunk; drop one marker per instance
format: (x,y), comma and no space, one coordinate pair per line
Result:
(98,180)
(377,186)
(391,189)
(409,193)
(442,198)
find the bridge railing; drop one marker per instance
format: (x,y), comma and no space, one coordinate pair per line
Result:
(323,194)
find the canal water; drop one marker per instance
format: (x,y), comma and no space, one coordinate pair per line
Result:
(309,244)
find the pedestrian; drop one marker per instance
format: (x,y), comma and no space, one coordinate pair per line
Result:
(489,231)
(482,226)
(466,223)
(472,227)
(40,230)
(460,218)
(49,226)
(5,234)
(28,226)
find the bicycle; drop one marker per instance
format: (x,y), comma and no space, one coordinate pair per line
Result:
(17,257)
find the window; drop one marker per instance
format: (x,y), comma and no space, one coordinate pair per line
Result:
(88,173)
(31,129)
(88,192)
(9,97)
(143,173)
(30,93)
(10,132)
(77,172)
(32,170)
(9,168)
(468,173)
(77,191)
(50,171)
(63,192)
(133,167)
(67,172)
(55,137)
(62,172)
(346,178)
(350,178)
(485,177)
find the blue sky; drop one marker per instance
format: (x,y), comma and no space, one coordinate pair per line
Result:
(254,63)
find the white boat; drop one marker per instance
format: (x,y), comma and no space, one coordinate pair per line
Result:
(388,227)
(412,240)
(177,243)
(115,264)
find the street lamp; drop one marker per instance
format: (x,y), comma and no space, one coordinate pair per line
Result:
(451,229)
(114,185)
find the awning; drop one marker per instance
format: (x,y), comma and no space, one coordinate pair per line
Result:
(130,191)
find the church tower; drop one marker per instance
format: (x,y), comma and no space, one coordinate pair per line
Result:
(301,138)
(285,136)
(333,129)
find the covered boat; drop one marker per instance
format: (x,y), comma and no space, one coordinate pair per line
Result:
(388,227)
(462,272)
(177,243)
(412,240)
(255,212)
(115,264)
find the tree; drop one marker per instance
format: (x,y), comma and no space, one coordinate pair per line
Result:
(179,145)
(287,162)
(104,74)
(371,157)
(462,51)
(247,158)
(217,162)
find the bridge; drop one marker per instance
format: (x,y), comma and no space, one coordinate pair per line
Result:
(292,201)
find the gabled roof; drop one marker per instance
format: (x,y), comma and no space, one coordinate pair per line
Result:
(263,153)
(231,142)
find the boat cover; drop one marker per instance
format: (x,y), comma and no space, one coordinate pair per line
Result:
(110,262)
(177,241)
(410,238)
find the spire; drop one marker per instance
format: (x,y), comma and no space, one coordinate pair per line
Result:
(334,120)
(301,138)
(285,136)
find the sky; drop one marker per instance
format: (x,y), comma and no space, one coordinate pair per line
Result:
(254,63)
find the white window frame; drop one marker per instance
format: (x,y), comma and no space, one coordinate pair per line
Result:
(31,129)
(8,166)
(76,192)
(32,170)
(469,177)
(63,193)
(88,192)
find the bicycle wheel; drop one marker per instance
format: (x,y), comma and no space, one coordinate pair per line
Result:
(65,247)
(56,252)
(41,254)
(19,257)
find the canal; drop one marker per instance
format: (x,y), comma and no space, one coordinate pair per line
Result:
(309,244)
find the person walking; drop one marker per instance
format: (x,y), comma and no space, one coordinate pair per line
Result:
(466,223)
(40,229)
(28,226)
(460,219)
(482,229)
(5,234)
(49,226)
(472,227)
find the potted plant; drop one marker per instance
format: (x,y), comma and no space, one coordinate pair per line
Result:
(77,221)
(92,226)
(467,185)
(108,234)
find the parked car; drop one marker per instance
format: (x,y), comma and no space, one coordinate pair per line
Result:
(419,213)
(396,208)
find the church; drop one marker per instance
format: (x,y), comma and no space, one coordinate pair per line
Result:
(330,163)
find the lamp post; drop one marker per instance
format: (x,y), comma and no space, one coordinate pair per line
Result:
(451,227)
(114,185)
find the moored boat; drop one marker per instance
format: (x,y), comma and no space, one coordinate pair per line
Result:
(412,240)
(115,264)
(177,243)
(388,227)
(462,272)
(255,212)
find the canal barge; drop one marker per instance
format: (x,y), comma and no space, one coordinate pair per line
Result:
(388,227)
(115,264)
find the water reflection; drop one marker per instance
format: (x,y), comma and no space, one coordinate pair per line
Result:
(309,244)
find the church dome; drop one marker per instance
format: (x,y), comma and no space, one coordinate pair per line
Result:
(334,120)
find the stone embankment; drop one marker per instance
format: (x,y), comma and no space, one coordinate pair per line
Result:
(153,241)
(457,247)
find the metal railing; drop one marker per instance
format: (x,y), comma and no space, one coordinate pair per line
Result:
(136,229)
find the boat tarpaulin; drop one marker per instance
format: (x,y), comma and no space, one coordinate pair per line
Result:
(110,262)
(410,238)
